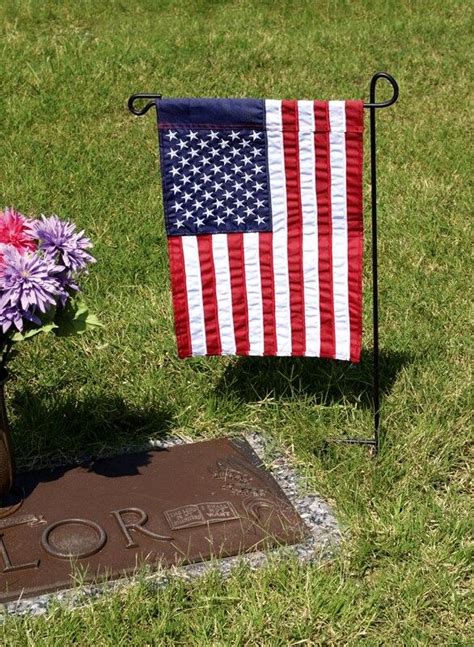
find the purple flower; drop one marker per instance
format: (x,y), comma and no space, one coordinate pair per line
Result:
(57,237)
(14,316)
(10,316)
(27,283)
(67,283)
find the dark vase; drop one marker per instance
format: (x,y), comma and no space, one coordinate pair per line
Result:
(6,458)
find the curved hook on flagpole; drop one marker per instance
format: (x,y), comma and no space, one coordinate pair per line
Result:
(373,87)
(138,112)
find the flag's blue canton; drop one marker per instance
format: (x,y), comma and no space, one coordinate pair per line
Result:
(215,180)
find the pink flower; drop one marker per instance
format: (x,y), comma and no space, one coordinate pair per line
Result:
(16,231)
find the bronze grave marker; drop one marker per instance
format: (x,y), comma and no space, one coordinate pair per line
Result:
(170,506)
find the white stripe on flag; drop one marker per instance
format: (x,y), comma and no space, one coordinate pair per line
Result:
(192,267)
(337,118)
(310,227)
(253,286)
(276,169)
(223,292)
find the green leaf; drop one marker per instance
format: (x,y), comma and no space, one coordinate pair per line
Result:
(75,319)
(21,336)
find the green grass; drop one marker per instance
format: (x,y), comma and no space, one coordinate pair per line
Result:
(70,147)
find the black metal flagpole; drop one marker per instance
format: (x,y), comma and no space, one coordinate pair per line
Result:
(372,106)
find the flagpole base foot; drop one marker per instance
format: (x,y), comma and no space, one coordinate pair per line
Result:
(367,442)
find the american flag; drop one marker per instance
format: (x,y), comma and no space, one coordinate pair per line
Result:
(263,211)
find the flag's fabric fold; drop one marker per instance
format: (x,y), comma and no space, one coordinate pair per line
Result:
(263,211)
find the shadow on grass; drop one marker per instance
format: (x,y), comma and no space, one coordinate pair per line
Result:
(65,425)
(253,379)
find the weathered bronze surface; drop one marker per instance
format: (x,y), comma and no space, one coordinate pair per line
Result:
(173,506)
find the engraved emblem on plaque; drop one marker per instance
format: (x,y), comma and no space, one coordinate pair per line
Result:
(200,514)
(238,478)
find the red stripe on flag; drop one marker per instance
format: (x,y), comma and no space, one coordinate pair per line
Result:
(268,292)
(295,226)
(323,196)
(354,129)
(209,295)
(235,244)
(180,300)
